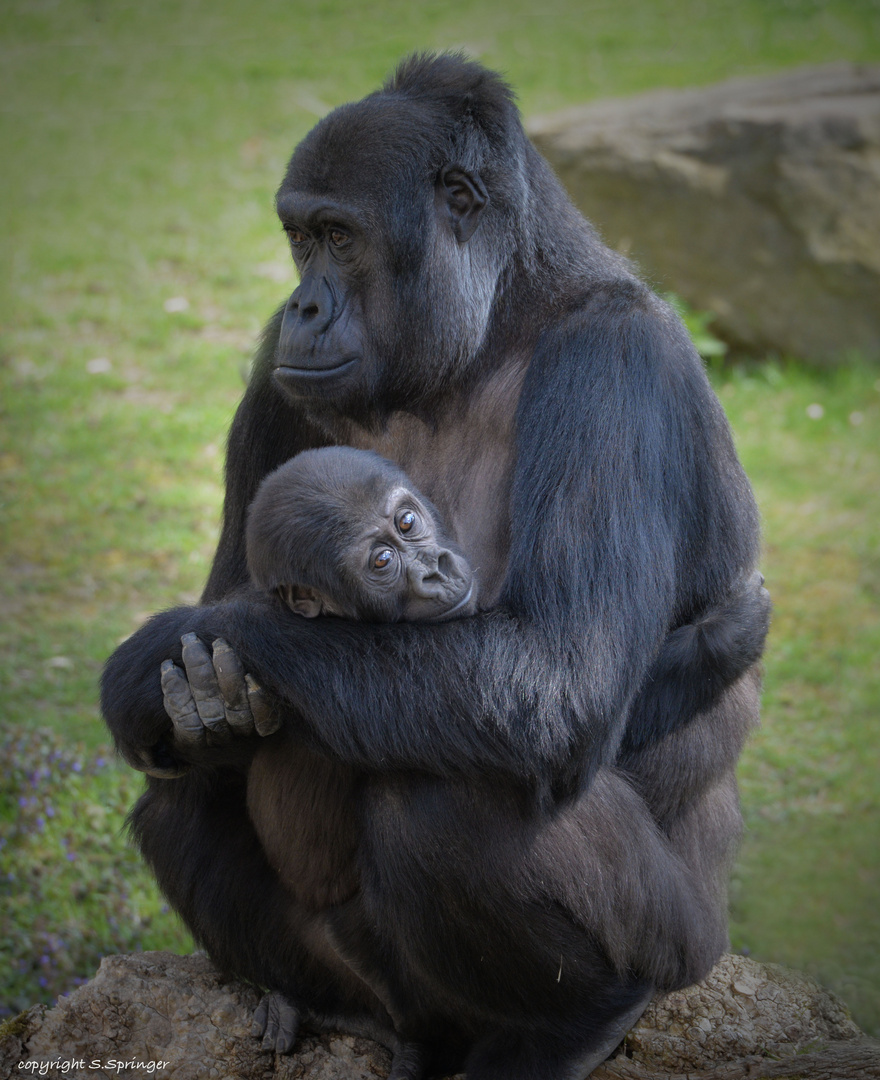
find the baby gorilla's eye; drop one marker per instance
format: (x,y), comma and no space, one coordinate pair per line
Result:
(406,521)
(383,558)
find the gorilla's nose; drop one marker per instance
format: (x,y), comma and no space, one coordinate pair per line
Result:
(430,573)
(311,306)
(309,312)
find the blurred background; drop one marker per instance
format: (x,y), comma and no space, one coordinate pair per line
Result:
(141,148)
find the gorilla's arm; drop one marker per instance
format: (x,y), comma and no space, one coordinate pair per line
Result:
(698,661)
(638,517)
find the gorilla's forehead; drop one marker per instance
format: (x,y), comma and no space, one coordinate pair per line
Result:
(366,150)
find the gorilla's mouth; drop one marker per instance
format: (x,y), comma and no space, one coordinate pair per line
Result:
(452,611)
(285,373)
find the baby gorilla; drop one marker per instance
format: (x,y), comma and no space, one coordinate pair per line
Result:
(339,531)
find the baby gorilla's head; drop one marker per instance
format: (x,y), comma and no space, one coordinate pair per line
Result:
(339,531)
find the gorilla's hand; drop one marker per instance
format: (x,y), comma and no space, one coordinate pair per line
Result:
(212,700)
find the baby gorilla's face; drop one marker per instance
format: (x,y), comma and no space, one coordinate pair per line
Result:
(398,566)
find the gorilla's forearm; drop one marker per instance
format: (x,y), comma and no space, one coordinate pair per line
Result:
(472,697)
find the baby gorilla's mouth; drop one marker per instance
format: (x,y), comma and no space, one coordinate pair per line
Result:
(457,607)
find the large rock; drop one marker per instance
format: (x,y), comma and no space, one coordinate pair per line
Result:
(744,1020)
(756,199)
(178,1015)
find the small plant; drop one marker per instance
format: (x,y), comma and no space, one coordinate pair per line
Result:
(71,888)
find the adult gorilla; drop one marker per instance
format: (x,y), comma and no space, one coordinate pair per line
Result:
(495,835)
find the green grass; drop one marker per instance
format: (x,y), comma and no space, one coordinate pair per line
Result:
(70,889)
(809,876)
(142,144)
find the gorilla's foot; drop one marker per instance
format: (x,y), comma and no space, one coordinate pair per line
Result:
(614,1034)
(553,1055)
(408,1062)
(277,1020)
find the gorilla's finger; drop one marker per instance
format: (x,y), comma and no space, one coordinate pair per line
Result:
(162,773)
(288,1024)
(155,760)
(180,706)
(265,718)
(261,1014)
(205,690)
(756,584)
(230,677)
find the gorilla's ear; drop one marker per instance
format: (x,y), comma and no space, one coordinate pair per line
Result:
(463,196)
(302,600)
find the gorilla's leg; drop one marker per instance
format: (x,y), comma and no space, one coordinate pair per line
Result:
(196,836)
(523,937)
(551,1054)
(688,783)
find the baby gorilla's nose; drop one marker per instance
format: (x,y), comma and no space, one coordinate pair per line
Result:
(430,572)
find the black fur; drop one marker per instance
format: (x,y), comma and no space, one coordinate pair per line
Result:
(529,813)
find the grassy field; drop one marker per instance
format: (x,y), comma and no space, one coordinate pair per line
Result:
(142,145)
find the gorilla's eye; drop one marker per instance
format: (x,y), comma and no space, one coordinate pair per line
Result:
(338,238)
(406,521)
(383,558)
(297,237)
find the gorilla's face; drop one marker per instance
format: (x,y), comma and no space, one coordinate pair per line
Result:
(395,296)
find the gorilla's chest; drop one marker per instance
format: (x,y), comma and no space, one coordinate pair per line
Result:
(464,464)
